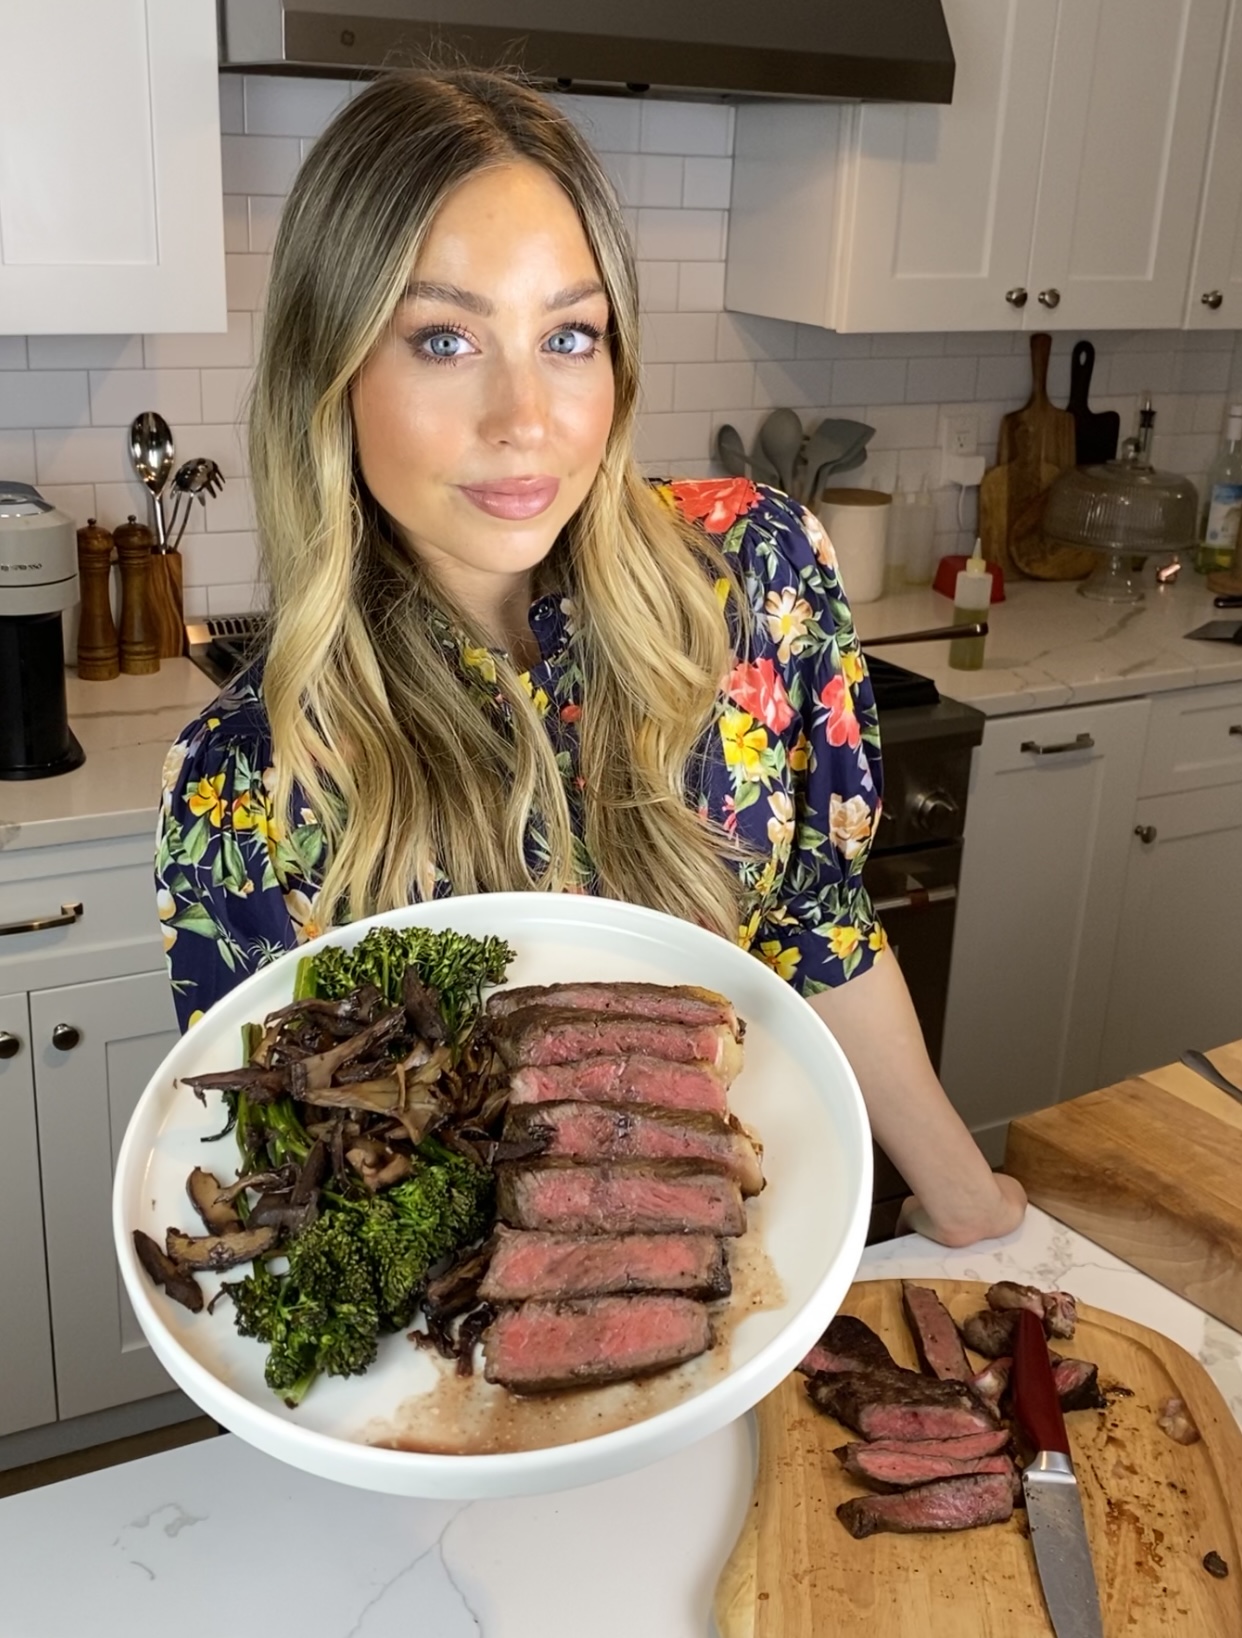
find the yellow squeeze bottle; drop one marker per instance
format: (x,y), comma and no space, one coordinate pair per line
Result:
(971,598)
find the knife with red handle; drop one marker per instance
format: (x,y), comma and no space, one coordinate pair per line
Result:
(1053,1502)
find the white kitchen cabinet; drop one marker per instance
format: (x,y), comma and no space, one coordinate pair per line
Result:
(1048,830)
(1214,294)
(1059,190)
(95,1046)
(111,215)
(27,1394)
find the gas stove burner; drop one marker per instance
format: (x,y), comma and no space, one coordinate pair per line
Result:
(897,689)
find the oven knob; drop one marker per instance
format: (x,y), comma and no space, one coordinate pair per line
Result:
(934,811)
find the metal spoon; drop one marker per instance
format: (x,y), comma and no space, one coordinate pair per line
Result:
(1203,1065)
(780,439)
(152,452)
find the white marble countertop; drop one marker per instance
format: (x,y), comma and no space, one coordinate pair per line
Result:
(1047,646)
(125,727)
(217,1533)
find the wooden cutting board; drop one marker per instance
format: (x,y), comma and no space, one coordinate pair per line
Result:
(1037,443)
(1151,1169)
(1039,433)
(1096,432)
(1153,1509)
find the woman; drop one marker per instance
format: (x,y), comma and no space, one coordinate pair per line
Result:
(496,651)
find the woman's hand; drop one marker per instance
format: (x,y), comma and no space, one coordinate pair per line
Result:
(998,1217)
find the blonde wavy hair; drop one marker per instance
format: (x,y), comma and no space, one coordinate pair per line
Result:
(406,771)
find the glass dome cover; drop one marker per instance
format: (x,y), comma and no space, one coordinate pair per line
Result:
(1123,506)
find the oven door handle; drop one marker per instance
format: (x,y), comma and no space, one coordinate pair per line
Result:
(920,899)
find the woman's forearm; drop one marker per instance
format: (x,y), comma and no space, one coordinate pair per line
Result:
(959,1199)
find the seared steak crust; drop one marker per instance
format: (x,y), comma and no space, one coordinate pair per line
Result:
(542,1347)
(950,1504)
(900,1405)
(555,1267)
(679,1003)
(935,1335)
(847,1345)
(891,1469)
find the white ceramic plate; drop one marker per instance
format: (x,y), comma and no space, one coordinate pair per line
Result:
(796,1091)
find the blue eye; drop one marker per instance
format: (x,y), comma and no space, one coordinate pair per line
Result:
(567,342)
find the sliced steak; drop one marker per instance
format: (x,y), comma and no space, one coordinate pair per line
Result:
(1077,1384)
(1057,1309)
(559,1266)
(966,1449)
(621,1199)
(935,1335)
(950,1504)
(559,1035)
(848,1345)
(542,1347)
(899,1469)
(1060,1313)
(678,1003)
(900,1405)
(632,1079)
(990,1332)
(602,1131)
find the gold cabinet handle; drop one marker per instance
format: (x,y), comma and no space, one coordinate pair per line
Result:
(69,913)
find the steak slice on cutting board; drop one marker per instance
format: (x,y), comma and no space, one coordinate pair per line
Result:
(630,1078)
(554,1267)
(848,1344)
(559,1035)
(679,1003)
(963,1449)
(601,1132)
(626,1198)
(900,1405)
(543,1347)
(948,1504)
(990,1332)
(892,1469)
(935,1335)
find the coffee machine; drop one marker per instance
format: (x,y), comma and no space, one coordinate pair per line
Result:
(38,581)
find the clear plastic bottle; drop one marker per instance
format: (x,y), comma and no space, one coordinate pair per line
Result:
(1221,519)
(971,598)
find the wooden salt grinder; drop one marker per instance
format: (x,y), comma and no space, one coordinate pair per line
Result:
(98,650)
(134,541)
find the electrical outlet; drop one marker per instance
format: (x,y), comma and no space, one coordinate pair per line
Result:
(959,434)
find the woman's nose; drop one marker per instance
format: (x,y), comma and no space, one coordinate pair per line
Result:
(516,410)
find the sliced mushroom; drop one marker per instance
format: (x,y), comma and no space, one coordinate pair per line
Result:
(375,1173)
(422,1006)
(204,1190)
(259,1085)
(218,1251)
(283,1179)
(275,1211)
(314,1075)
(180,1285)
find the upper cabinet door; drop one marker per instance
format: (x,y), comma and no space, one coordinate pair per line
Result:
(1133,85)
(936,223)
(1214,298)
(111,217)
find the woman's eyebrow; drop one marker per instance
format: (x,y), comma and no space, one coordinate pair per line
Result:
(429,290)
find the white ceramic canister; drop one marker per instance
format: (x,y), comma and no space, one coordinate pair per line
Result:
(857,524)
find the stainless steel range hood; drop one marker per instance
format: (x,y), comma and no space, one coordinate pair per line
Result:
(891,50)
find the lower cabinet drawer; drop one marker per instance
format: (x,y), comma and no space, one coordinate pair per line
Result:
(1194,740)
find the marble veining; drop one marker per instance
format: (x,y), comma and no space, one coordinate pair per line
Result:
(175,1543)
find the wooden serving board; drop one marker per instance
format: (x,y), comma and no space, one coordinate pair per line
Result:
(1153,1509)
(1151,1169)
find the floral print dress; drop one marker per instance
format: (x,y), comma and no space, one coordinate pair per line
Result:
(791,767)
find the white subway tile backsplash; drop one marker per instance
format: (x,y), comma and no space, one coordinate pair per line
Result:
(279,106)
(814,342)
(743,335)
(194,603)
(706,386)
(929,345)
(230,511)
(657,388)
(44,398)
(241,598)
(673,338)
(686,128)
(610,124)
(236,223)
(264,219)
(799,383)
(232,104)
(12,352)
(259,164)
(670,439)
(230,350)
(115,502)
(225,444)
(224,394)
(1139,372)
(645,179)
(1210,411)
(878,471)
(901,426)
(245,281)
(75,500)
(82,455)
(657,286)
(118,395)
(979,343)
(215,559)
(941,380)
(707,183)
(1004,377)
(17,455)
(85,352)
(869,381)
(1204,371)
(700,286)
(917,469)
(681,235)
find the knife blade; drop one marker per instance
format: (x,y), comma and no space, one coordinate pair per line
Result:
(1053,1502)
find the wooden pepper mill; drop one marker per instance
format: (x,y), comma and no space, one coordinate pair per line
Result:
(134,541)
(165,604)
(99,657)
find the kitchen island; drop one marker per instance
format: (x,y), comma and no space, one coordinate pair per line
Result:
(217,1532)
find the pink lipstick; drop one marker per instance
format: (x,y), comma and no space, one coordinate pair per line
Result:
(513,498)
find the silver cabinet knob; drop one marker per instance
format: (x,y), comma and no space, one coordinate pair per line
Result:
(65,1037)
(1146,834)
(1050,298)
(1017,296)
(1212,299)
(10,1045)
